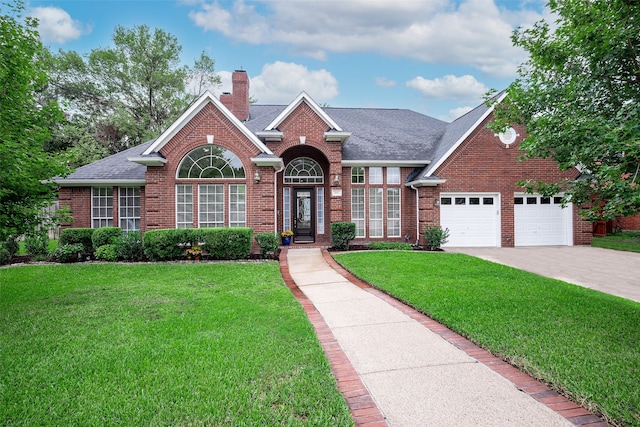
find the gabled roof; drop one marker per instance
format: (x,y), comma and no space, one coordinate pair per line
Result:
(303,97)
(191,112)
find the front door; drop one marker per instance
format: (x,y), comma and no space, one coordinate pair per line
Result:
(303,215)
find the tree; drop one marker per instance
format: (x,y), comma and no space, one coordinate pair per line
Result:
(130,92)
(579,97)
(27,170)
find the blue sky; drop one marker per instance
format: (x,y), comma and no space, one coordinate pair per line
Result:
(437,57)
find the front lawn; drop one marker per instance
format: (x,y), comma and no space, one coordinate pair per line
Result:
(623,241)
(583,342)
(160,344)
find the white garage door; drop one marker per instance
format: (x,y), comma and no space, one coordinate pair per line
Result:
(541,221)
(472,219)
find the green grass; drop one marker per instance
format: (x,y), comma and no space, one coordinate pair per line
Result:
(584,343)
(624,241)
(160,344)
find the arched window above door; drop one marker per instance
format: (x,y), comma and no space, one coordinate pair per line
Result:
(303,170)
(211,161)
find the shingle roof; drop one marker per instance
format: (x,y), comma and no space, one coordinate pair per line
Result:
(377,134)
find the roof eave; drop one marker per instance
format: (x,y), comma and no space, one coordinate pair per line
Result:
(277,162)
(100,182)
(387,163)
(148,161)
(336,136)
(425,183)
(270,135)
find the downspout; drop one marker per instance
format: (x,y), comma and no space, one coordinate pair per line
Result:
(275,198)
(417,214)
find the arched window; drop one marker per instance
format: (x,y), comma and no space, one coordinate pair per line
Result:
(212,162)
(303,170)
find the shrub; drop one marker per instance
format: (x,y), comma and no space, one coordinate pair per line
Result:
(268,243)
(36,244)
(435,236)
(167,244)
(107,252)
(67,252)
(129,246)
(70,236)
(5,256)
(400,246)
(341,234)
(11,245)
(105,236)
(228,243)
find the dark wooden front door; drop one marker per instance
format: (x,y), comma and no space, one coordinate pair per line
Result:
(303,215)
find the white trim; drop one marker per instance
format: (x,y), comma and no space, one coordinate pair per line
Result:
(455,146)
(148,161)
(101,182)
(276,162)
(398,163)
(303,97)
(191,112)
(425,183)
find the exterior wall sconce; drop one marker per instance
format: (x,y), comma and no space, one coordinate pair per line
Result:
(436,202)
(336,179)
(256,177)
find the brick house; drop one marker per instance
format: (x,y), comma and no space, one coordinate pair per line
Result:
(392,172)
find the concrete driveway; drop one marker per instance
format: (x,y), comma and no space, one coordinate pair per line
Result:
(606,270)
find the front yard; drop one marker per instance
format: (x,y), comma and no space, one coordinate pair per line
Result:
(160,344)
(584,343)
(623,241)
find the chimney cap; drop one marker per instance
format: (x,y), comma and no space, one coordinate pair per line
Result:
(239,71)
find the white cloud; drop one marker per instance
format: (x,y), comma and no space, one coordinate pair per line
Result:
(455,113)
(55,25)
(384,82)
(473,32)
(449,87)
(280,82)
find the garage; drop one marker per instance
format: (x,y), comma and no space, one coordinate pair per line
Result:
(541,221)
(473,219)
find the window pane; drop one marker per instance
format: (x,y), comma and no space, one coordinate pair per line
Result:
(303,170)
(545,201)
(210,162)
(393,175)
(518,201)
(375,213)
(129,208)
(286,206)
(375,175)
(557,200)
(210,205)
(320,208)
(358,210)
(474,200)
(393,212)
(184,206)
(461,201)
(102,209)
(445,201)
(237,205)
(532,200)
(487,201)
(357,175)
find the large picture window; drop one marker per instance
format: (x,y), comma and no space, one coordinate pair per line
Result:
(101,207)
(376,214)
(237,205)
(375,206)
(129,206)
(393,212)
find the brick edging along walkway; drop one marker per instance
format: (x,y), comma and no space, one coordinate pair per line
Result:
(574,413)
(364,410)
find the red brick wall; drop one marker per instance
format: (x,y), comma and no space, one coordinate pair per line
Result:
(630,223)
(79,200)
(483,164)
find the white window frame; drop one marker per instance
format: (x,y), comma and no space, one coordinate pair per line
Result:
(394,212)
(286,207)
(376,212)
(211,206)
(393,175)
(101,207)
(320,209)
(358,175)
(185,206)
(237,205)
(129,208)
(375,175)
(358,210)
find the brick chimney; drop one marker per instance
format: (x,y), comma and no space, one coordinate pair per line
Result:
(240,95)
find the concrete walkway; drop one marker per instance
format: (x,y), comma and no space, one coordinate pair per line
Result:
(605,270)
(416,371)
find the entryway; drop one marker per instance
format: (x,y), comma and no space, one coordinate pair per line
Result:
(303,215)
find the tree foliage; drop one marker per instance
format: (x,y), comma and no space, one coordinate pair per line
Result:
(26,168)
(131,92)
(579,97)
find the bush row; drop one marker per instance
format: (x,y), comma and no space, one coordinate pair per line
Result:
(217,243)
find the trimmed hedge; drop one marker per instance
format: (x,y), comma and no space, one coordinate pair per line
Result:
(268,242)
(220,243)
(107,252)
(228,243)
(71,236)
(105,236)
(341,234)
(397,246)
